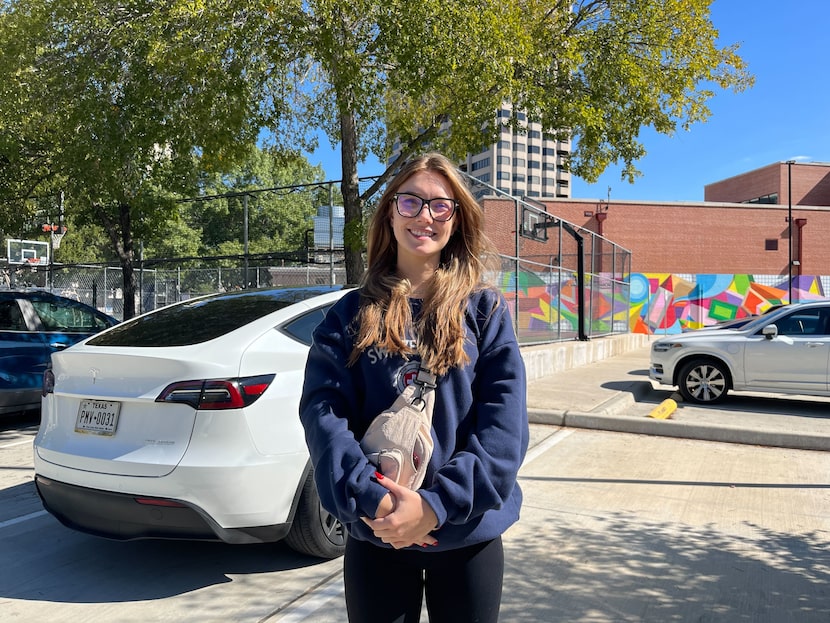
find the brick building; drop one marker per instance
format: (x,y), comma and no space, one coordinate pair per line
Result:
(744,230)
(802,183)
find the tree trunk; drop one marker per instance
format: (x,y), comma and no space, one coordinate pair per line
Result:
(121,237)
(125,257)
(129,286)
(353,236)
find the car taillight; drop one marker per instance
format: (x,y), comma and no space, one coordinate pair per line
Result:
(217,393)
(48,385)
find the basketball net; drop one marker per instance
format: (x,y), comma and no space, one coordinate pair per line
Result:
(56,232)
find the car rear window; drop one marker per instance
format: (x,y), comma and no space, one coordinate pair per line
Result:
(201,320)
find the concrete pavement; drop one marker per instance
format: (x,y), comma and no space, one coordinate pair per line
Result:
(614,393)
(661,527)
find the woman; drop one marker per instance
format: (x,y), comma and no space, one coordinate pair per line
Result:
(422,301)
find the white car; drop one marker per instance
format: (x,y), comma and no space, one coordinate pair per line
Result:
(786,350)
(183,423)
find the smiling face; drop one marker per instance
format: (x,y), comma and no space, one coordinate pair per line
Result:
(421,238)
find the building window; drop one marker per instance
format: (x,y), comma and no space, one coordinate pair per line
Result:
(534,164)
(771,244)
(533,193)
(534,179)
(504,144)
(533,149)
(504,114)
(534,134)
(480,164)
(771,198)
(504,160)
(518,177)
(548,151)
(503,175)
(519,162)
(484,177)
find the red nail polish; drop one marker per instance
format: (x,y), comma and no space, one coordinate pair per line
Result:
(378,475)
(434,544)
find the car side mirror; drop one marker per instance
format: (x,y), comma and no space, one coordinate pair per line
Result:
(770,331)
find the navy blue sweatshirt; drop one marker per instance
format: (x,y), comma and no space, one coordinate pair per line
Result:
(479,424)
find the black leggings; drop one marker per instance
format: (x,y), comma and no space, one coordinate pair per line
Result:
(387,585)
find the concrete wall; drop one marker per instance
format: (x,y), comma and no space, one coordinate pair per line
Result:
(547,359)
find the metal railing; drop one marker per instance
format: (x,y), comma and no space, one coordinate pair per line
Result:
(561,281)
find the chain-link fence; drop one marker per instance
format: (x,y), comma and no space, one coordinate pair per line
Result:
(562,282)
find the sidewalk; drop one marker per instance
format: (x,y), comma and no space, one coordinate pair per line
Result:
(616,394)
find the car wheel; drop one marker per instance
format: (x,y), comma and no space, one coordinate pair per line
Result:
(704,381)
(315,531)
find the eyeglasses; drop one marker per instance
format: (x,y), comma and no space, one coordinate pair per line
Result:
(440,208)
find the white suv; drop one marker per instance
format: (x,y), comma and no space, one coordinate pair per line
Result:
(184,423)
(786,351)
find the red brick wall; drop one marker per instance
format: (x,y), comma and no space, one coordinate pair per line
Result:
(685,237)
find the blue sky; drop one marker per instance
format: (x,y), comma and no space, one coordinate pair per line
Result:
(783,116)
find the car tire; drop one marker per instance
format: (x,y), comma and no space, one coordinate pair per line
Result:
(315,531)
(704,381)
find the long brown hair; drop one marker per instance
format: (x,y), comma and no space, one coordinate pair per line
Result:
(385,315)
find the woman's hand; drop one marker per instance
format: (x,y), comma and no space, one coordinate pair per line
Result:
(410,521)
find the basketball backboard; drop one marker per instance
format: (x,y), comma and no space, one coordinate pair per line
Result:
(27,251)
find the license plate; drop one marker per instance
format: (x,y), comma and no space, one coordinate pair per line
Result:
(99,417)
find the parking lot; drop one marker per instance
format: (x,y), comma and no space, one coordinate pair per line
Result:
(615,527)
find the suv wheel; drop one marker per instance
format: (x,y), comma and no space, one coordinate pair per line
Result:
(315,531)
(704,381)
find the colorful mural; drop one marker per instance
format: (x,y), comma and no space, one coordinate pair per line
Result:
(664,303)
(545,304)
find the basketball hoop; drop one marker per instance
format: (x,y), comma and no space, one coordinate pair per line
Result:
(34,261)
(56,232)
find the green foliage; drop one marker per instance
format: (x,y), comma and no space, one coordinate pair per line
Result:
(115,99)
(277,219)
(84,245)
(129,107)
(432,74)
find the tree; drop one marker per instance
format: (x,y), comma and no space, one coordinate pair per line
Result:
(116,101)
(435,73)
(119,100)
(277,219)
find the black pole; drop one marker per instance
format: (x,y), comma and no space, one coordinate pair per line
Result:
(580,281)
(790,230)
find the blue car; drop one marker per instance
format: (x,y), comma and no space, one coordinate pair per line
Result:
(33,325)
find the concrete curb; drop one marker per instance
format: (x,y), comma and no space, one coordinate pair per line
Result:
(610,416)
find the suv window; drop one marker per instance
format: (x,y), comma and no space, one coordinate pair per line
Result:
(806,322)
(66,317)
(10,317)
(202,319)
(302,328)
